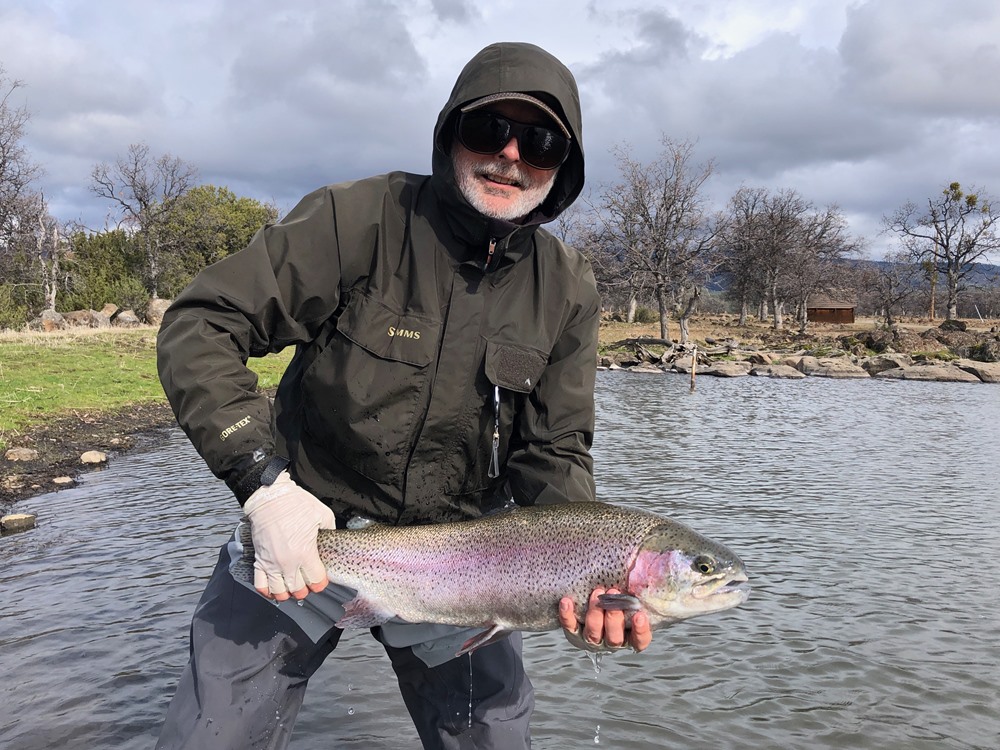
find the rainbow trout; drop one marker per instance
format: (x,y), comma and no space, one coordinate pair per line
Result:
(508,571)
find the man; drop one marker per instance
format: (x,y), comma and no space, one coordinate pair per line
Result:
(445,359)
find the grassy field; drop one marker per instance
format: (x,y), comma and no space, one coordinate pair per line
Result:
(45,376)
(48,375)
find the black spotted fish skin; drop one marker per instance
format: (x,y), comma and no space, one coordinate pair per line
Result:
(509,569)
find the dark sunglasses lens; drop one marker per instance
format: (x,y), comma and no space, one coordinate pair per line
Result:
(488,133)
(542,148)
(483,132)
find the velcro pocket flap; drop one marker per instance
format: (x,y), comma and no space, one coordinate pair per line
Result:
(516,368)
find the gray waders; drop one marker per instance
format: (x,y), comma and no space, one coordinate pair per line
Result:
(251,661)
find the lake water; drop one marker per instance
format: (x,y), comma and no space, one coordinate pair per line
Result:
(867,512)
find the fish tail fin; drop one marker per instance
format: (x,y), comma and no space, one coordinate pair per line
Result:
(241,554)
(491,635)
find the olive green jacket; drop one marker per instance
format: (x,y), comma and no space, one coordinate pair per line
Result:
(404,335)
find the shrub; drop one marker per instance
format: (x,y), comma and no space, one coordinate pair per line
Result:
(646,315)
(18,302)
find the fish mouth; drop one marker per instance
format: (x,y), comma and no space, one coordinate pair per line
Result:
(737,583)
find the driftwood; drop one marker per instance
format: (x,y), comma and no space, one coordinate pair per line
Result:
(640,341)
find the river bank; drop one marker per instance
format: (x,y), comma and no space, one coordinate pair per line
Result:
(68,393)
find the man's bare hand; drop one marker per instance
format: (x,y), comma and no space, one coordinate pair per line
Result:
(605,627)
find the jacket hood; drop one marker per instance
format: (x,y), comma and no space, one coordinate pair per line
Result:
(526,68)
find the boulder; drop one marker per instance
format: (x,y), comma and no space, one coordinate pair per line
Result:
(48,321)
(12,482)
(94,457)
(110,309)
(15,522)
(646,369)
(946,373)
(954,325)
(760,358)
(682,363)
(21,454)
(127,319)
(830,367)
(87,319)
(883,362)
(988,372)
(777,371)
(726,369)
(155,310)
(987,350)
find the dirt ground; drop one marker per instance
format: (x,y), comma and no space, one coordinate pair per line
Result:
(61,442)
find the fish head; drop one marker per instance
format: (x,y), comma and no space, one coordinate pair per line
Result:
(677,573)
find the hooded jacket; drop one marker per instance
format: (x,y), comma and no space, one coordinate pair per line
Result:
(444,361)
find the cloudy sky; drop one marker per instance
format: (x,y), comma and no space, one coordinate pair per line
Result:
(861,103)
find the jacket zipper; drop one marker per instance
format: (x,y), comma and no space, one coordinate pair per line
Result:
(489,253)
(494,470)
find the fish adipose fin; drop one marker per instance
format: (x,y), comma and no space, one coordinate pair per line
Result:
(361,613)
(492,635)
(625,602)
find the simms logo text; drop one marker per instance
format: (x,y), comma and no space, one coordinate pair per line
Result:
(234,427)
(403,332)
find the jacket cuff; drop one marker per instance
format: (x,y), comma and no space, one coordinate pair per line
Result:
(259,473)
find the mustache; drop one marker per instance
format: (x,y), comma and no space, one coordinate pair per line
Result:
(507,171)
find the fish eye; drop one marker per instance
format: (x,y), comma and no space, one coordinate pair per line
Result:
(703,564)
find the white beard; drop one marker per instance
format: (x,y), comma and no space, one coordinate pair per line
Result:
(533,191)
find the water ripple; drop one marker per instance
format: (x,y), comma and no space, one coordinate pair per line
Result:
(865,511)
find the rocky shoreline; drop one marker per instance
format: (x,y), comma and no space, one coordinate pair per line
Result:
(948,353)
(54,452)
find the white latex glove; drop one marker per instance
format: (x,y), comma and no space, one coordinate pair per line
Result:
(284,519)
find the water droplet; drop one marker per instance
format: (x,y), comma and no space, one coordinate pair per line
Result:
(595,659)
(350,687)
(300,602)
(350,711)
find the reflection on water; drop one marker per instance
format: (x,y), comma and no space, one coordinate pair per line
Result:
(867,514)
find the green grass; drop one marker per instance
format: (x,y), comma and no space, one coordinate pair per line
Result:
(43,376)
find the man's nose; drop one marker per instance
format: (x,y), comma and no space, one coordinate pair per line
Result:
(510,150)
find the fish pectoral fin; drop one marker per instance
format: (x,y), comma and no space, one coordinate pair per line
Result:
(491,635)
(362,613)
(625,602)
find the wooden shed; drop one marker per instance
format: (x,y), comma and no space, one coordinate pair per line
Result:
(829,310)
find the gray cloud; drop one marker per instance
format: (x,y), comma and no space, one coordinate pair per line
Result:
(865,105)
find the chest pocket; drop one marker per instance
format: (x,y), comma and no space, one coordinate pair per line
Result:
(515,370)
(366,392)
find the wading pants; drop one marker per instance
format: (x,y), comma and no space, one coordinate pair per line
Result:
(250,664)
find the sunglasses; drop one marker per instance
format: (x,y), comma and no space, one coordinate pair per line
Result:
(487,133)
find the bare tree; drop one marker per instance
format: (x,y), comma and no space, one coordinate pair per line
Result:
(145,192)
(814,263)
(956,230)
(891,282)
(779,249)
(655,221)
(51,247)
(741,242)
(17,171)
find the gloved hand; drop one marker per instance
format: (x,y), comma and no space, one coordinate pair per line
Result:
(284,519)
